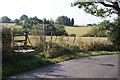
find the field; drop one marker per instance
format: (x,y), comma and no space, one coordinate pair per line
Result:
(79,31)
(65,39)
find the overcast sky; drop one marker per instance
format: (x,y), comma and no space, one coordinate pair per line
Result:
(46,9)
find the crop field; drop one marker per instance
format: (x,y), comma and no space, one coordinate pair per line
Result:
(79,31)
(35,40)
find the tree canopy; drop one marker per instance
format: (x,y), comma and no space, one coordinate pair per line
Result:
(64,20)
(30,22)
(23,17)
(108,7)
(5,19)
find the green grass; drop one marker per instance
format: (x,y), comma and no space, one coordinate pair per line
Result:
(22,62)
(79,31)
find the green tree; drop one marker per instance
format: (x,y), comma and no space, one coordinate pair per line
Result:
(45,21)
(107,9)
(16,21)
(23,17)
(63,20)
(60,30)
(27,23)
(89,25)
(104,28)
(94,8)
(5,19)
(114,34)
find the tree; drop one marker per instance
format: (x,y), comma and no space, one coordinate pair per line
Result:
(72,21)
(94,24)
(93,8)
(89,25)
(16,21)
(63,20)
(23,17)
(99,11)
(35,20)
(5,19)
(114,34)
(45,21)
(27,23)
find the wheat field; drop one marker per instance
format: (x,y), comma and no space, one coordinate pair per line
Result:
(79,31)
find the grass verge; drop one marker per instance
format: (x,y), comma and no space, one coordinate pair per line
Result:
(22,62)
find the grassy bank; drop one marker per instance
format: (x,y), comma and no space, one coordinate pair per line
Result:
(19,63)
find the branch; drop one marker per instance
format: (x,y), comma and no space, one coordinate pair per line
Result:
(107,5)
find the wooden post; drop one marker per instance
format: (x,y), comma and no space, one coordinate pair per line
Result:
(68,39)
(26,36)
(44,39)
(51,36)
(51,39)
(55,38)
(35,36)
(74,39)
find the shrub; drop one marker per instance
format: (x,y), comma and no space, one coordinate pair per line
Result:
(101,30)
(114,35)
(6,39)
(97,46)
(56,50)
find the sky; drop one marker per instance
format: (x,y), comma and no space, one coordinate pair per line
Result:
(47,9)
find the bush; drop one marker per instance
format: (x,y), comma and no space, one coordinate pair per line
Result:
(6,38)
(97,46)
(114,35)
(59,50)
(60,30)
(101,30)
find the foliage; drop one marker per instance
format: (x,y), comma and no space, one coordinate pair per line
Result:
(5,19)
(16,21)
(114,34)
(23,17)
(93,8)
(64,20)
(45,21)
(72,21)
(56,50)
(27,23)
(101,30)
(60,30)
(6,38)
(97,46)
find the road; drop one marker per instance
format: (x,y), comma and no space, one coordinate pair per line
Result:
(105,66)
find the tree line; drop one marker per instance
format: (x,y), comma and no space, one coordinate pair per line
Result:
(62,20)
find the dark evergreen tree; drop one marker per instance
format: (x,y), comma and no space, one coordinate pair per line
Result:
(72,22)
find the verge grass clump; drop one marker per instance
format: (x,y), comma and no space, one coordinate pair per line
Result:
(97,46)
